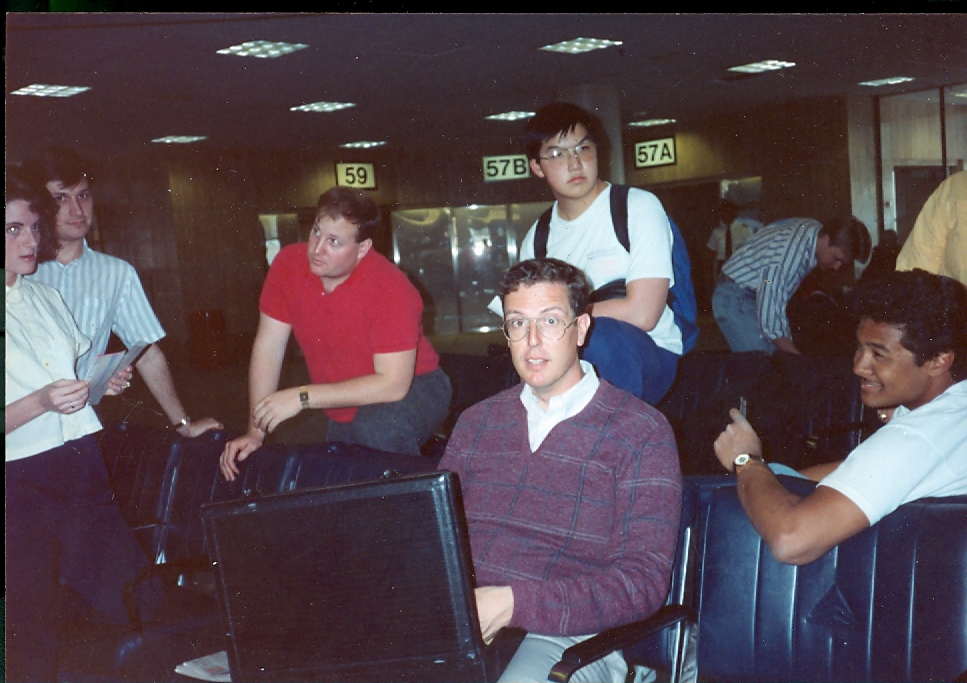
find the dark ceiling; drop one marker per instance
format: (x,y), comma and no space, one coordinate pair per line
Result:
(426,79)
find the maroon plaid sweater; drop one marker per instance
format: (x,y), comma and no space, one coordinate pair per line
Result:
(584,529)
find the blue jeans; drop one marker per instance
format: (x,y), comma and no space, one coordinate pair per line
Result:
(628,358)
(735,312)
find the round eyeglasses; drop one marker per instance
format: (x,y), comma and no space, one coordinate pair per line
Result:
(549,327)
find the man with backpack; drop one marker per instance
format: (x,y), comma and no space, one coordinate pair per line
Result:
(623,241)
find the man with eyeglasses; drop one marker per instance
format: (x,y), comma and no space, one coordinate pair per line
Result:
(634,342)
(357,319)
(571,486)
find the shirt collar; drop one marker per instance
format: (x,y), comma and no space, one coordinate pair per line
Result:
(572,401)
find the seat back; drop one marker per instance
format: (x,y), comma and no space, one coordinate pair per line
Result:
(889,604)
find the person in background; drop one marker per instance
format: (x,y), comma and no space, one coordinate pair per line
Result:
(357,319)
(62,524)
(635,342)
(755,285)
(103,293)
(938,242)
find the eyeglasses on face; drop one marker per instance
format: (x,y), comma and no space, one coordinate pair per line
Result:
(582,151)
(550,327)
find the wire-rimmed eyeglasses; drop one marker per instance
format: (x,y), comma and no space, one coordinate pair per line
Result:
(550,327)
(582,151)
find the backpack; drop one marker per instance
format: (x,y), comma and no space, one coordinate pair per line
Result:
(681,295)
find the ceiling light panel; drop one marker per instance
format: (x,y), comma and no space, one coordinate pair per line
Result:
(180,139)
(511,116)
(262,49)
(579,45)
(40,90)
(892,80)
(651,122)
(364,144)
(762,67)
(323,106)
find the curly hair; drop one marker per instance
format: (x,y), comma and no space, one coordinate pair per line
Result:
(352,205)
(931,311)
(537,270)
(24,186)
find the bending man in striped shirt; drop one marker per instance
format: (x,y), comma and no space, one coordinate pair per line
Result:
(103,293)
(757,282)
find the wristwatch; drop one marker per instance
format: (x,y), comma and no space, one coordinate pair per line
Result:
(183,422)
(743,459)
(304,396)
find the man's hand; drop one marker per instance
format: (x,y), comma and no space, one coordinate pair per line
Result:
(738,437)
(65,396)
(120,381)
(199,427)
(495,607)
(238,450)
(276,408)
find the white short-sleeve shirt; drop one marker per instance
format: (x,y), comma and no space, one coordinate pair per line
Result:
(918,454)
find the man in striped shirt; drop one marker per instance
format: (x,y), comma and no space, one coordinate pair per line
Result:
(103,293)
(757,282)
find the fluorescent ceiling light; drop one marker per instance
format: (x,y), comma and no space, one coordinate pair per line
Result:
(651,122)
(180,139)
(363,144)
(511,116)
(579,45)
(323,106)
(762,67)
(262,49)
(893,80)
(39,90)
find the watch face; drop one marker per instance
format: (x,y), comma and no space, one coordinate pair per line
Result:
(741,460)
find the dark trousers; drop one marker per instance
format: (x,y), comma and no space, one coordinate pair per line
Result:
(628,358)
(63,528)
(403,426)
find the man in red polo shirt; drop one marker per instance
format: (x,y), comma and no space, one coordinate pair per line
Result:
(356,318)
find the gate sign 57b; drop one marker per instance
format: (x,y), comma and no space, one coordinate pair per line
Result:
(655,153)
(509,167)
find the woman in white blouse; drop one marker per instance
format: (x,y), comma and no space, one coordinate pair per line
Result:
(62,523)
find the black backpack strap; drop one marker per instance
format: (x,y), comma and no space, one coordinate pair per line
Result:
(619,214)
(541,233)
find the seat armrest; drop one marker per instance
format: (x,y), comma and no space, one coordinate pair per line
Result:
(620,637)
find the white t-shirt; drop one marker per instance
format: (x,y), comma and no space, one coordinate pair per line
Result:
(589,243)
(918,454)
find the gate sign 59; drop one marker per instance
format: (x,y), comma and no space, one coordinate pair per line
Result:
(509,167)
(360,176)
(655,153)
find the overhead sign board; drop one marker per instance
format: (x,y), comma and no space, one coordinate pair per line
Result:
(507,167)
(359,176)
(655,153)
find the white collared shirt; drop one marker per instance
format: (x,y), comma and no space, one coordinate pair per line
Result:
(540,422)
(42,346)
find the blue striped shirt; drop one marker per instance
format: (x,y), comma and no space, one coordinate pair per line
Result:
(104,294)
(773,263)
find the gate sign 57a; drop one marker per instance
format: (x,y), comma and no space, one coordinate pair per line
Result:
(655,153)
(508,167)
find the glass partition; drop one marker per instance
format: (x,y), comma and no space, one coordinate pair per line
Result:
(918,136)
(457,256)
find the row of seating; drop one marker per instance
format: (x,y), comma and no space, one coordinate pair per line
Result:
(161,481)
(889,604)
